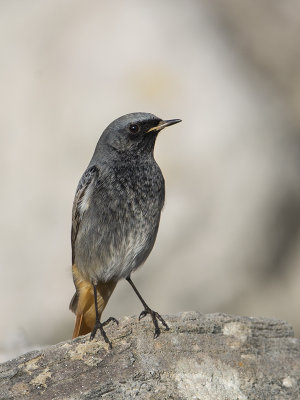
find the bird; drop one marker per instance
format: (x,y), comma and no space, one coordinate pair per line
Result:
(115,218)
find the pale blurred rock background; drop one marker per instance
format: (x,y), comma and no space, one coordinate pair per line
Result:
(229,238)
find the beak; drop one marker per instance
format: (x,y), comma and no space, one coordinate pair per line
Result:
(164,124)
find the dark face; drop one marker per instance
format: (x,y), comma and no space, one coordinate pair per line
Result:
(134,133)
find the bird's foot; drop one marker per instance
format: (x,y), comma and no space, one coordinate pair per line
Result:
(99,326)
(155,318)
(110,319)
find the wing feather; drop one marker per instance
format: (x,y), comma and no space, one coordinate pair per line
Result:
(81,201)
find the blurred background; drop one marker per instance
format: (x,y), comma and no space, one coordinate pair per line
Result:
(229,239)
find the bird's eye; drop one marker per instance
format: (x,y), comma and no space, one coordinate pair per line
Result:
(134,128)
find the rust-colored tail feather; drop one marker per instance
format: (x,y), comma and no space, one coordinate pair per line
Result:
(83,305)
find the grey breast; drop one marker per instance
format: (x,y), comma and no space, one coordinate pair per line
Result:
(119,227)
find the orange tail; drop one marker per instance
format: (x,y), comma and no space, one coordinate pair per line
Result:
(83,305)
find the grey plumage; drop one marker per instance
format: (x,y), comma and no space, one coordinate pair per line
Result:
(118,203)
(116,211)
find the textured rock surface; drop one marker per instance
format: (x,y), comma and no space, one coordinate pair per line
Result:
(213,356)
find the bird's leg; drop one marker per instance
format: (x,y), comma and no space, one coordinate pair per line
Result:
(154,315)
(99,325)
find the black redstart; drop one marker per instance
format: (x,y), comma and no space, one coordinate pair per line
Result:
(115,217)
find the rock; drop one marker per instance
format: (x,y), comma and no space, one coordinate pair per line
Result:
(214,356)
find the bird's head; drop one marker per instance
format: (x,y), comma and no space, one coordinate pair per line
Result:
(133,133)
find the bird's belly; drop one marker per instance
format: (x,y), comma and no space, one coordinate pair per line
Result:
(127,257)
(113,251)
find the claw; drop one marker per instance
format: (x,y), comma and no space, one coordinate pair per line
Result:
(162,321)
(155,316)
(99,326)
(143,314)
(156,333)
(110,319)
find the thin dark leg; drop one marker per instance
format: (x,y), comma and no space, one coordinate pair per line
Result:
(154,315)
(98,324)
